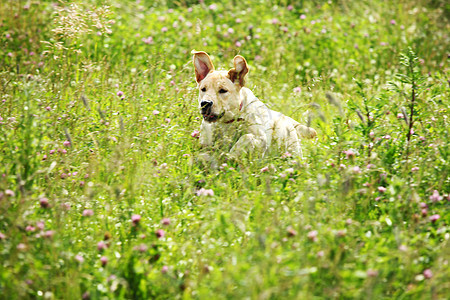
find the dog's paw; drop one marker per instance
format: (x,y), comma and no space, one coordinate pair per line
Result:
(311,133)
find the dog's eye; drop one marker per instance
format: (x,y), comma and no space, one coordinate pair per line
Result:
(203,89)
(222,91)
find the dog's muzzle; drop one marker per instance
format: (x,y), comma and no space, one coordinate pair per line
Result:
(208,115)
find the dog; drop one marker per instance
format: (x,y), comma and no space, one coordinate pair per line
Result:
(235,119)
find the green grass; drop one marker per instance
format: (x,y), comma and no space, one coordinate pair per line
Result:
(355,219)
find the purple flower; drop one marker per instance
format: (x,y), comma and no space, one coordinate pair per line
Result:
(66,143)
(135,219)
(393,22)
(165,221)
(2,236)
(372,273)
(120,93)
(101,246)
(30,228)
(349,153)
(79,258)
(265,169)
(414,169)
(164,269)
(164,29)
(49,233)
(427,274)
(195,133)
(205,192)
(434,218)
(290,7)
(160,233)
(275,21)
(291,232)
(148,40)
(141,248)
(382,189)
(436,197)
(302,17)
(297,90)
(312,235)
(44,202)
(213,7)
(104,260)
(238,44)
(88,213)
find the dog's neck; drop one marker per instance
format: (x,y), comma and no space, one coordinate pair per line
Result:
(238,119)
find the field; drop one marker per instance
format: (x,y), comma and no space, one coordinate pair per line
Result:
(103,195)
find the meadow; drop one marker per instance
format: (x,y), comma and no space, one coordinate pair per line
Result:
(102,195)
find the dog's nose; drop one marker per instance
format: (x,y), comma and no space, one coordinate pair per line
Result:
(206,105)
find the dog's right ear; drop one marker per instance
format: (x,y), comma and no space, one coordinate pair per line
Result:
(202,64)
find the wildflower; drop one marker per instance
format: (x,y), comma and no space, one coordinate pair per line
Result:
(79,258)
(370,166)
(120,94)
(205,192)
(52,151)
(135,219)
(2,236)
(66,143)
(402,248)
(387,137)
(291,232)
(44,202)
(265,169)
(356,170)
(101,246)
(290,7)
(297,90)
(427,274)
(348,221)
(238,44)
(213,7)
(148,40)
(414,169)
(141,248)
(164,269)
(321,253)
(104,260)
(424,212)
(400,116)
(21,247)
(312,235)
(195,134)
(49,233)
(30,228)
(275,21)
(341,233)
(302,17)
(40,225)
(372,273)
(88,213)
(371,134)
(10,193)
(165,221)
(434,218)
(436,197)
(393,22)
(160,233)
(382,189)
(164,29)
(349,153)
(286,155)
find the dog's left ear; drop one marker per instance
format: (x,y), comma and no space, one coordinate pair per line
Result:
(239,71)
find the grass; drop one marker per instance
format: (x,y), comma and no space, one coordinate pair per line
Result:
(101,189)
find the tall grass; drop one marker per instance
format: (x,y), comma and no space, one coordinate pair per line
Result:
(103,194)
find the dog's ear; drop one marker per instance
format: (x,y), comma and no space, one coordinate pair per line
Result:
(239,71)
(202,64)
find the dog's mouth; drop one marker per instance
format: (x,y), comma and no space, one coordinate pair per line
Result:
(212,117)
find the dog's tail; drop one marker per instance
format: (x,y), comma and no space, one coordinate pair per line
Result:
(304,131)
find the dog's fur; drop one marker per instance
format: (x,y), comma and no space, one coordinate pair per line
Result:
(234,117)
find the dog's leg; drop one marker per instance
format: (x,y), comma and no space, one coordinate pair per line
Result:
(304,131)
(246,144)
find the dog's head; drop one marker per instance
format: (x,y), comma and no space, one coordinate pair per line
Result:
(219,90)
